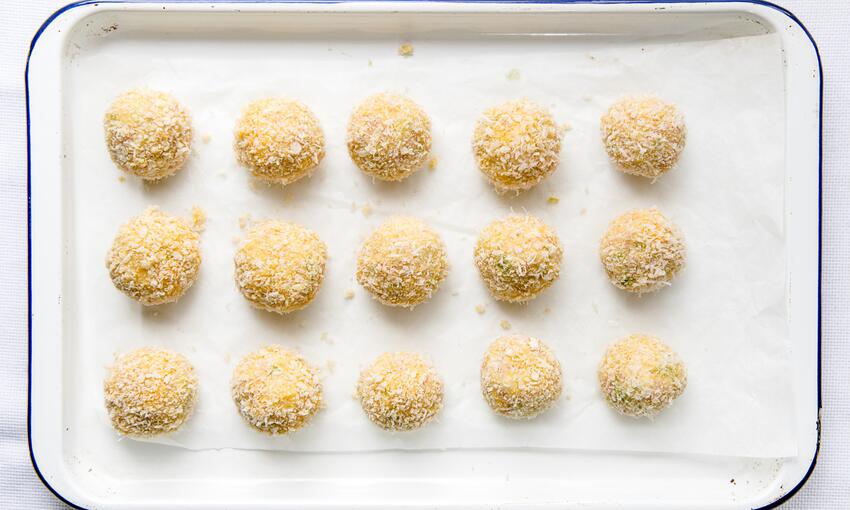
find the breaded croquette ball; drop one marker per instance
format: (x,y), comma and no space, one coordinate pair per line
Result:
(276,391)
(642,251)
(520,377)
(518,257)
(279,140)
(389,136)
(640,376)
(280,266)
(400,391)
(516,145)
(155,257)
(150,392)
(643,135)
(402,263)
(148,133)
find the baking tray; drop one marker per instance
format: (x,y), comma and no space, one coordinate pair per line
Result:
(141,476)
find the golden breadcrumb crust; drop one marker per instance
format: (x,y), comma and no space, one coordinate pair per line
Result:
(400,391)
(150,392)
(641,376)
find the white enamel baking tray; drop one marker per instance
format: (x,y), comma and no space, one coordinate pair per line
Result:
(154,476)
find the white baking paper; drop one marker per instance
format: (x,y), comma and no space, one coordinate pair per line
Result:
(725,314)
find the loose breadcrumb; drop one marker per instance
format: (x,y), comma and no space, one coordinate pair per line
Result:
(279,140)
(244,221)
(199,219)
(480,309)
(504,324)
(349,294)
(553,199)
(280,266)
(206,138)
(389,136)
(121,178)
(150,392)
(367,209)
(520,377)
(400,391)
(432,164)
(642,251)
(402,263)
(516,145)
(275,390)
(148,133)
(405,50)
(518,257)
(513,75)
(640,376)
(155,258)
(643,135)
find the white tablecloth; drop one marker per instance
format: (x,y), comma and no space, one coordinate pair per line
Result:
(829,487)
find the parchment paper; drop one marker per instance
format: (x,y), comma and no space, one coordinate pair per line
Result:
(725,314)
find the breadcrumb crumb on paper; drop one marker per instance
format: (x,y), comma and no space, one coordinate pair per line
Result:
(553,199)
(349,294)
(199,219)
(513,75)
(480,309)
(405,50)
(504,324)
(206,138)
(432,164)
(367,209)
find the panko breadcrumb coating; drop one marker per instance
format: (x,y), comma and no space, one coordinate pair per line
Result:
(389,136)
(155,257)
(150,392)
(400,391)
(640,376)
(518,257)
(643,135)
(276,391)
(520,377)
(148,133)
(402,263)
(516,145)
(279,140)
(642,251)
(280,266)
